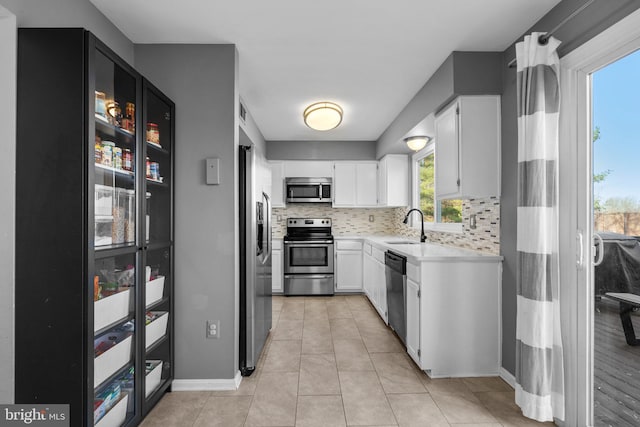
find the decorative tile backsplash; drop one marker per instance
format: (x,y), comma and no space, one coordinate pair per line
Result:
(345,221)
(388,221)
(485,237)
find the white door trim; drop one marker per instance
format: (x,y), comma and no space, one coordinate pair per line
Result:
(576,215)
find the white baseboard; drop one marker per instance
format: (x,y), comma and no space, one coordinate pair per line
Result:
(207,385)
(509,379)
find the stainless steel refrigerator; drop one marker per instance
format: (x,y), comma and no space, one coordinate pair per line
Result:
(255,256)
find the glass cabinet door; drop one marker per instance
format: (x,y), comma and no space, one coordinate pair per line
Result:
(158,137)
(114,154)
(158,166)
(158,319)
(116,255)
(114,339)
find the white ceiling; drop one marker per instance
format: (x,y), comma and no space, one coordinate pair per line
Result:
(370,56)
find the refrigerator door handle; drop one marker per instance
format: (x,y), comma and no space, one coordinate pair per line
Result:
(267,227)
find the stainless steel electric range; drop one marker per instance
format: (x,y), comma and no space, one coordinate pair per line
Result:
(308,257)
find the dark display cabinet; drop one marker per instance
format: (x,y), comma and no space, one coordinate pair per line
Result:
(94,231)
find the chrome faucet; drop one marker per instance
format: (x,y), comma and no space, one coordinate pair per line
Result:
(423,238)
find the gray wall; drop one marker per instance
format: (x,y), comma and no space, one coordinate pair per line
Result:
(7,207)
(202,81)
(321,150)
(71,13)
(458,75)
(596,18)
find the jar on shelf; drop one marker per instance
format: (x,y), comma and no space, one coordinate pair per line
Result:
(107,153)
(155,171)
(117,157)
(127,160)
(153,134)
(129,121)
(115,113)
(98,150)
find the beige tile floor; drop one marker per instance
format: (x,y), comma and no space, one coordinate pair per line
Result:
(331,361)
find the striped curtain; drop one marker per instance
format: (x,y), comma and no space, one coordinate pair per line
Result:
(539,370)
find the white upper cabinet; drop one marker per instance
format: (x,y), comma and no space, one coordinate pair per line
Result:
(344,184)
(277,183)
(355,184)
(393,180)
(366,184)
(308,168)
(467,144)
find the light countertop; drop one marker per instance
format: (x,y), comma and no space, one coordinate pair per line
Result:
(420,252)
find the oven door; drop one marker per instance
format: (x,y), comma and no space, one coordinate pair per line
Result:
(308,257)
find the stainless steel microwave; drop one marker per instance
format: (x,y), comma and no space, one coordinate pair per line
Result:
(308,190)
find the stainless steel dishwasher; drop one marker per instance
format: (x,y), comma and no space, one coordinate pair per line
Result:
(396,275)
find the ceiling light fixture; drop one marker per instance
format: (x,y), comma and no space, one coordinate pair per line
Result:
(323,115)
(417,143)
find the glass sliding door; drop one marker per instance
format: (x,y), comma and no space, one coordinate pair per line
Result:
(616,229)
(599,256)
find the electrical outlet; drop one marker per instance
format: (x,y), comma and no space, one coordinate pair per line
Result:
(213,329)
(371,219)
(472,221)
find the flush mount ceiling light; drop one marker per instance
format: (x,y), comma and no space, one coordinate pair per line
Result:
(323,115)
(417,143)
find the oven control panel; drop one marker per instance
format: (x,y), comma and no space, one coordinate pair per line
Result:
(309,222)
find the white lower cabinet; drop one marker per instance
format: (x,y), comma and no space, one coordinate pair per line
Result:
(367,270)
(348,266)
(413,320)
(375,283)
(460,322)
(452,311)
(276,267)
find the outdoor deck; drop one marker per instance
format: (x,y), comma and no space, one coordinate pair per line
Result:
(617,369)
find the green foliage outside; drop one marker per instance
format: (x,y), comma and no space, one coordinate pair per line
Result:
(450,210)
(427,176)
(598,204)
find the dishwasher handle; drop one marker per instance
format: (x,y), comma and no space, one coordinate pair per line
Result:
(396,262)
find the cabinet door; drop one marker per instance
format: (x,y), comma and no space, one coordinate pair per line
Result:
(348,270)
(393,180)
(305,168)
(447,153)
(159,340)
(158,167)
(276,271)
(277,184)
(344,188)
(116,211)
(366,184)
(413,320)
(380,284)
(479,146)
(367,276)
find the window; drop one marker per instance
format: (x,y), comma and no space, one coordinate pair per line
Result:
(426,179)
(436,213)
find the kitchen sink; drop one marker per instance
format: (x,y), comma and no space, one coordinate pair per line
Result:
(403,242)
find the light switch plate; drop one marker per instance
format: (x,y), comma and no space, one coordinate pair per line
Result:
(213,171)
